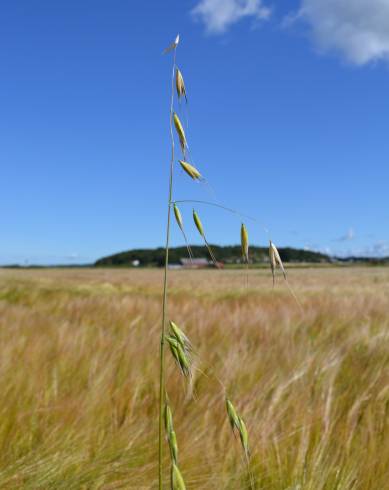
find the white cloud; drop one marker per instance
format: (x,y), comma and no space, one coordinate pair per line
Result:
(218,15)
(376,250)
(358,29)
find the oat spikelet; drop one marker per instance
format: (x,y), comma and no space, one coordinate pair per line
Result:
(200,229)
(182,339)
(181,357)
(232,415)
(273,263)
(180,223)
(244,238)
(178,216)
(180,85)
(168,419)
(277,258)
(173,446)
(170,434)
(181,133)
(172,46)
(190,170)
(238,424)
(244,437)
(177,481)
(198,224)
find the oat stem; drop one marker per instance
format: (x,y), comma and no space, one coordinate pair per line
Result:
(250,473)
(209,203)
(165,294)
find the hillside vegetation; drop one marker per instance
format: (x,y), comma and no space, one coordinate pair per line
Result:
(227,254)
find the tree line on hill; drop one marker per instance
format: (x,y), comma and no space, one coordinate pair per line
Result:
(226,254)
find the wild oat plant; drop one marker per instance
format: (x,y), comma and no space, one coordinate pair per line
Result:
(179,344)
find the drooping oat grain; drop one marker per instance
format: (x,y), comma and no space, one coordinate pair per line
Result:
(181,337)
(181,357)
(238,424)
(232,415)
(244,437)
(181,133)
(200,229)
(190,170)
(180,85)
(277,258)
(178,216)
(173,446)
(168,419)
(244,238)
(198,224)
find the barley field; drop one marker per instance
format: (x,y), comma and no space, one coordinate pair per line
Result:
(79,378)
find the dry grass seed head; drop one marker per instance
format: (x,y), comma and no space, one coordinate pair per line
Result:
(272,258)
(172,46)
(277,258)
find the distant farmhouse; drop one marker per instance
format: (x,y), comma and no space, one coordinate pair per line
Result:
(195,263)
(200,263)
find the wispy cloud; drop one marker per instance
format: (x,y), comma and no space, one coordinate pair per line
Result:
(358,29)
(44,259)
(347,237)
(218,15)
(378,249)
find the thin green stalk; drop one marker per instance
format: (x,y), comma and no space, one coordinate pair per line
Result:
(165,296)
(251,476)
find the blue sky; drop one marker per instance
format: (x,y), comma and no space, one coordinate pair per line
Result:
(287,120)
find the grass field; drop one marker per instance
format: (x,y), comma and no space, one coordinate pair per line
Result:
(79,378)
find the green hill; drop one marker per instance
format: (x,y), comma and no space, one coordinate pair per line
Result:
(228,255)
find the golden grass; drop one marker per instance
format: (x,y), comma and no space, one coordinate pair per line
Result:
(79,379)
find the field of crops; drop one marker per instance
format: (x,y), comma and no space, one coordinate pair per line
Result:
(79,378)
